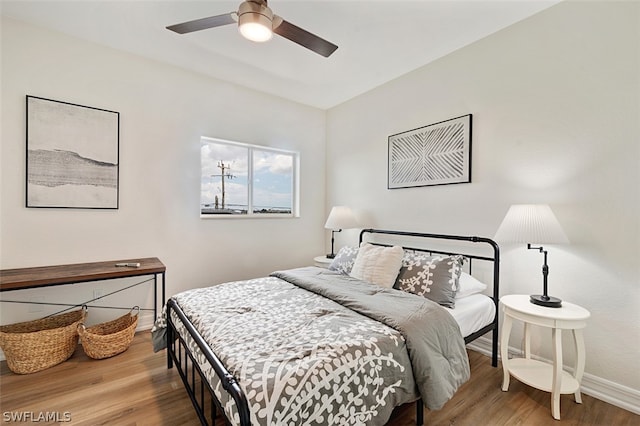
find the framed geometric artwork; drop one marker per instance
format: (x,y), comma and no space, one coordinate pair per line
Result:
(437,154)
(72,155)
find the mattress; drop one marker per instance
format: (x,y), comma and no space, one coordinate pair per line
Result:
(473,312)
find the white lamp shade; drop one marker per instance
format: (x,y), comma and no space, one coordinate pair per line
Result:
(531,223)
(341,217)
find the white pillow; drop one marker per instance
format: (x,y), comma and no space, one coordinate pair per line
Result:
(468,285)
(378,265)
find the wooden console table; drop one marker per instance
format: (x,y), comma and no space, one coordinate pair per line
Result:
(47,276)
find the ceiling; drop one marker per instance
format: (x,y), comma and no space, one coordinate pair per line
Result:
(378,40)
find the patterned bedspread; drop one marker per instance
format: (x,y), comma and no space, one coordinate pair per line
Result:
(300,357)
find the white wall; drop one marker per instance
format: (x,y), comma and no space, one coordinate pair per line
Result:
(163,112)
(555,104)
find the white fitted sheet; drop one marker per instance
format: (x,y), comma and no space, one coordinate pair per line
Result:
(473,312)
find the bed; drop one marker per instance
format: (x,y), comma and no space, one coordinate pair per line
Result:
(324,346)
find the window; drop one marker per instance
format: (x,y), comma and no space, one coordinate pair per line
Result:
(247,180)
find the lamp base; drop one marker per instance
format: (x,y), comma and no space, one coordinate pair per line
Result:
(331,256)
(548,301)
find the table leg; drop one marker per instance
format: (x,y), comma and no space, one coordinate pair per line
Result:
(504,350)
(155,297)
(579,367)
(527,340)
(557,373)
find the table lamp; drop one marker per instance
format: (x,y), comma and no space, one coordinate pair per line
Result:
(340,218)
(533,224)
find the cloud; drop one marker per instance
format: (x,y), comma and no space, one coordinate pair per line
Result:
(275,163)
(236,193)
(212,154)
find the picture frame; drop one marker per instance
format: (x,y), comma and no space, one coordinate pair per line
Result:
(436,154)
(72,156)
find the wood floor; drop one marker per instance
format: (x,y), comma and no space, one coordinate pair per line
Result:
(136,388)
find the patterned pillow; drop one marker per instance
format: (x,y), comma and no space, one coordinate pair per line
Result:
(434,277)
(343,262)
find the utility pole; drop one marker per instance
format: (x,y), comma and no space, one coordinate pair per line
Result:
(224,173)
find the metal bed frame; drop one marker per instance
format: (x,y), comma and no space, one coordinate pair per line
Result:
(199,389)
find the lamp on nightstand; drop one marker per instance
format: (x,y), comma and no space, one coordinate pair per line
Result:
(533,224)
(340,218)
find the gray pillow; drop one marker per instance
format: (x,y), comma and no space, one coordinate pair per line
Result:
(344,260)
(434,277)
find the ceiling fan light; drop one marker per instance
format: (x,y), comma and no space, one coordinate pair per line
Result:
(255,21)
(256,31)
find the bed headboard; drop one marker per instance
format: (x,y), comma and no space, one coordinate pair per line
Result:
(465,248)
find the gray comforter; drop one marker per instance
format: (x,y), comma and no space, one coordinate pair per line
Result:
(436,347)
(313,347)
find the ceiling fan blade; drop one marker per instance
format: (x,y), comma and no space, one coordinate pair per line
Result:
(204,23)
(303,37)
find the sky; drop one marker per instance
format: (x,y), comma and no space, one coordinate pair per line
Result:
(272,175)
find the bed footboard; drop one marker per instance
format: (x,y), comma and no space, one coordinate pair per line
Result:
(197,386)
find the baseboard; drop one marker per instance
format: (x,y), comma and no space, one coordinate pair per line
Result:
(145,322)
(482,345)
(613,393)
(597,387)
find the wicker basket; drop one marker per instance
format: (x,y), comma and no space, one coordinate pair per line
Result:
(110,338)
(36,345)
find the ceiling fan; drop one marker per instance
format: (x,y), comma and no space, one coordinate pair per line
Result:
(257,22)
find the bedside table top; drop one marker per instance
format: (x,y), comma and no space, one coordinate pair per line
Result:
(568,311)
(322,259)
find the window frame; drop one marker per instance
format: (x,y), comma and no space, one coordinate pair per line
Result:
(295,180)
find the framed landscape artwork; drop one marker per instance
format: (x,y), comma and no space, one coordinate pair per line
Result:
(437,154)
(72,155)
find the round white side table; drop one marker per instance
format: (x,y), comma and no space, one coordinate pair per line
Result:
(322,261)
(538,374)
